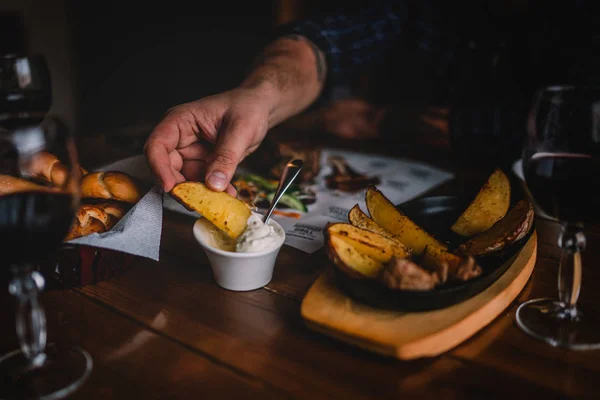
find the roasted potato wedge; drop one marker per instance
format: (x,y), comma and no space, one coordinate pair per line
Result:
(360,219)
(387,216)
(369,243)
(508,230)
(222,209)
(489,205)
(350,260)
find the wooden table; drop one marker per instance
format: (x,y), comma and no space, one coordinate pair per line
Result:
(166,330)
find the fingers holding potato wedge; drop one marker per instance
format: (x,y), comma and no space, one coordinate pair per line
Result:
(222,209)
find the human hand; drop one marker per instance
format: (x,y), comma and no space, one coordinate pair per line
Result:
(206,139)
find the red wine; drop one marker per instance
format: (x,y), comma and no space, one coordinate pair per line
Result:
(32,224)
(565,186)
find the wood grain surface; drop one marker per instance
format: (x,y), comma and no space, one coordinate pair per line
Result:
(409,335)
(165,330)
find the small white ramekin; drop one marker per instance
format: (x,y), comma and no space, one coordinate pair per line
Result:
(238,271)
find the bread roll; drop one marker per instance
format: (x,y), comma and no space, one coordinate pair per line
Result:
(10,184)
(111,185)
(94,218)
(48,167)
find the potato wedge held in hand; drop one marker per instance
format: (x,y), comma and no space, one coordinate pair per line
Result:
(508,230)
(488,207)
(222,209)
(369,243)
(387,216)
(350,260)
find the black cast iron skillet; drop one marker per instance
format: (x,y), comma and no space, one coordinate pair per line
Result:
(436,215)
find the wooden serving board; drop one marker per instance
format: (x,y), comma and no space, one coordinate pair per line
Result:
(411,335)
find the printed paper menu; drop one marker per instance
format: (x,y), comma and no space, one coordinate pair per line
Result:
(340,184)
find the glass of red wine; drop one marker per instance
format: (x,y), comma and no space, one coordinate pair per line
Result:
(561,165)
(38,201)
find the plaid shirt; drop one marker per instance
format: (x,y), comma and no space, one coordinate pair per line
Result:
(485,65)
(350,41)
(448,33)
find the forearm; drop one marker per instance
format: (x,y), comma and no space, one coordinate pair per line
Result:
(289,75)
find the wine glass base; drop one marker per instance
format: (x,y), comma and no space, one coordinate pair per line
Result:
(547,320)
(57,375)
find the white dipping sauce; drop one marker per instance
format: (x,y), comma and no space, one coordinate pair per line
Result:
(258,236)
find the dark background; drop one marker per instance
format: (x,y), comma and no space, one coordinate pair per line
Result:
(119,65)
(134,63)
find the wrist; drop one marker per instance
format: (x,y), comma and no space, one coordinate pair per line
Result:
(263,88)
(288,77)
(266,94)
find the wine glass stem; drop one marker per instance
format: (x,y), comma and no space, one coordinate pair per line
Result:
(572,242)
(30,318)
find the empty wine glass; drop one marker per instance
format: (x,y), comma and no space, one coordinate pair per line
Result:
(561,164)
(36,211)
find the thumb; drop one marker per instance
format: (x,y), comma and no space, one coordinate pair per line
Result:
(230,148)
